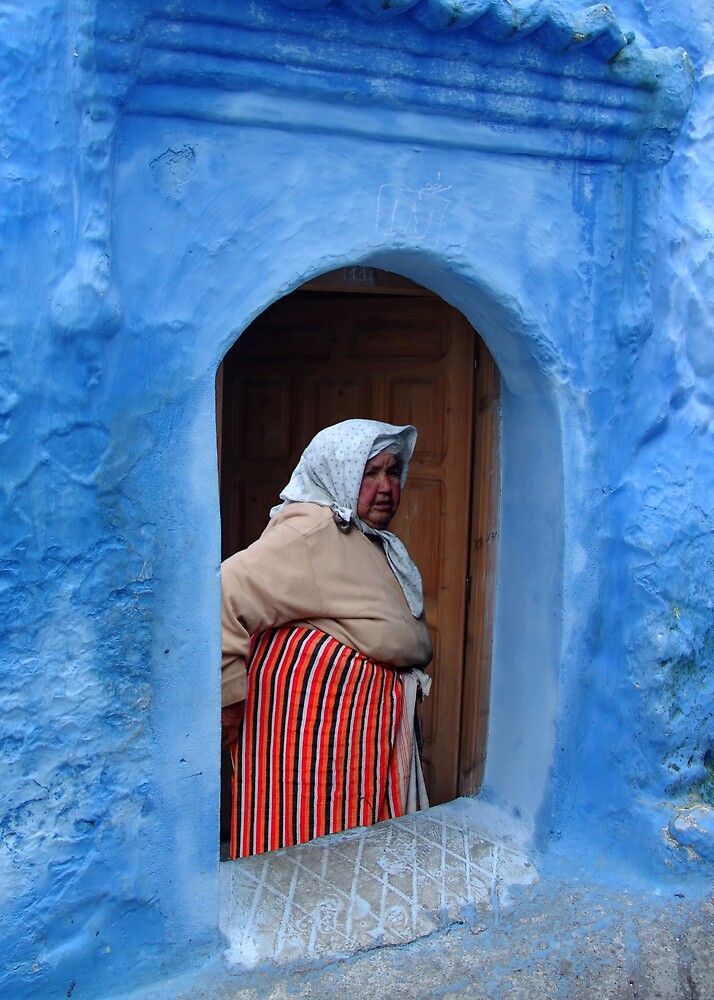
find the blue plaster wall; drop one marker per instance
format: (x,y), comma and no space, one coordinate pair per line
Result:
(601,728)
(644,734)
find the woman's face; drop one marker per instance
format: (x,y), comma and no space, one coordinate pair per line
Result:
(380,491)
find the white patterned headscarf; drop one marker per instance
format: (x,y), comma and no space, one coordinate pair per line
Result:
(330,472)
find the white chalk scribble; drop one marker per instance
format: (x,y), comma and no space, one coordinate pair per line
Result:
(417,212)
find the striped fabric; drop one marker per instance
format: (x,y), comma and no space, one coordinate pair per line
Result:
(323,746)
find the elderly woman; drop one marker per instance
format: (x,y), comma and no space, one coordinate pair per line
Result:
(323,638)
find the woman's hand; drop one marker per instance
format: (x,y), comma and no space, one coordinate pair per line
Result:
(231,721)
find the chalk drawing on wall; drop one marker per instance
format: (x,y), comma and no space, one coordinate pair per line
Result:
(416,212)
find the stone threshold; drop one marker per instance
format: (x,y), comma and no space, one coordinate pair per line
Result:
(372,887)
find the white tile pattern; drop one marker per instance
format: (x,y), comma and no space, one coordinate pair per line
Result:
(380,885)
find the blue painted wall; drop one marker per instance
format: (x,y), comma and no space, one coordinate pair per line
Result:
(134,251)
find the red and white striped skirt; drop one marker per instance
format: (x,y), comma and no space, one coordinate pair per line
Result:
(325,743)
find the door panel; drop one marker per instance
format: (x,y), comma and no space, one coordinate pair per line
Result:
(484,537)
(313,360)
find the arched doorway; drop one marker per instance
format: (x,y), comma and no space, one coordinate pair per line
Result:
(370,343)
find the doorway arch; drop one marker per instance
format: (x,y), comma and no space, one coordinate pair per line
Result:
(361,341)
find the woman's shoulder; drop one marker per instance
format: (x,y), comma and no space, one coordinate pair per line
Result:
(303,518)
(296,525)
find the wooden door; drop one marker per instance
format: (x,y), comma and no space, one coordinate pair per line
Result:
(314,359)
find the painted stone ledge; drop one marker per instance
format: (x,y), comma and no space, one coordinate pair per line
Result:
(374,886)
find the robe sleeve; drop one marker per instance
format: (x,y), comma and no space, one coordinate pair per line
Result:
(270,583)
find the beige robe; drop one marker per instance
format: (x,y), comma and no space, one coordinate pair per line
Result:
(304,570)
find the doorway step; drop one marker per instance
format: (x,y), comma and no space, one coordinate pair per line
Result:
(372,887)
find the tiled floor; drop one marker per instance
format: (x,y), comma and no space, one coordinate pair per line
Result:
(381,885)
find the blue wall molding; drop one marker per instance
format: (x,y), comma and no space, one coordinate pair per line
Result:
(575,87)
(516,80)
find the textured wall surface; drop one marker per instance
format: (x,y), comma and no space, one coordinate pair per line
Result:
(653,689)
(141,231)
